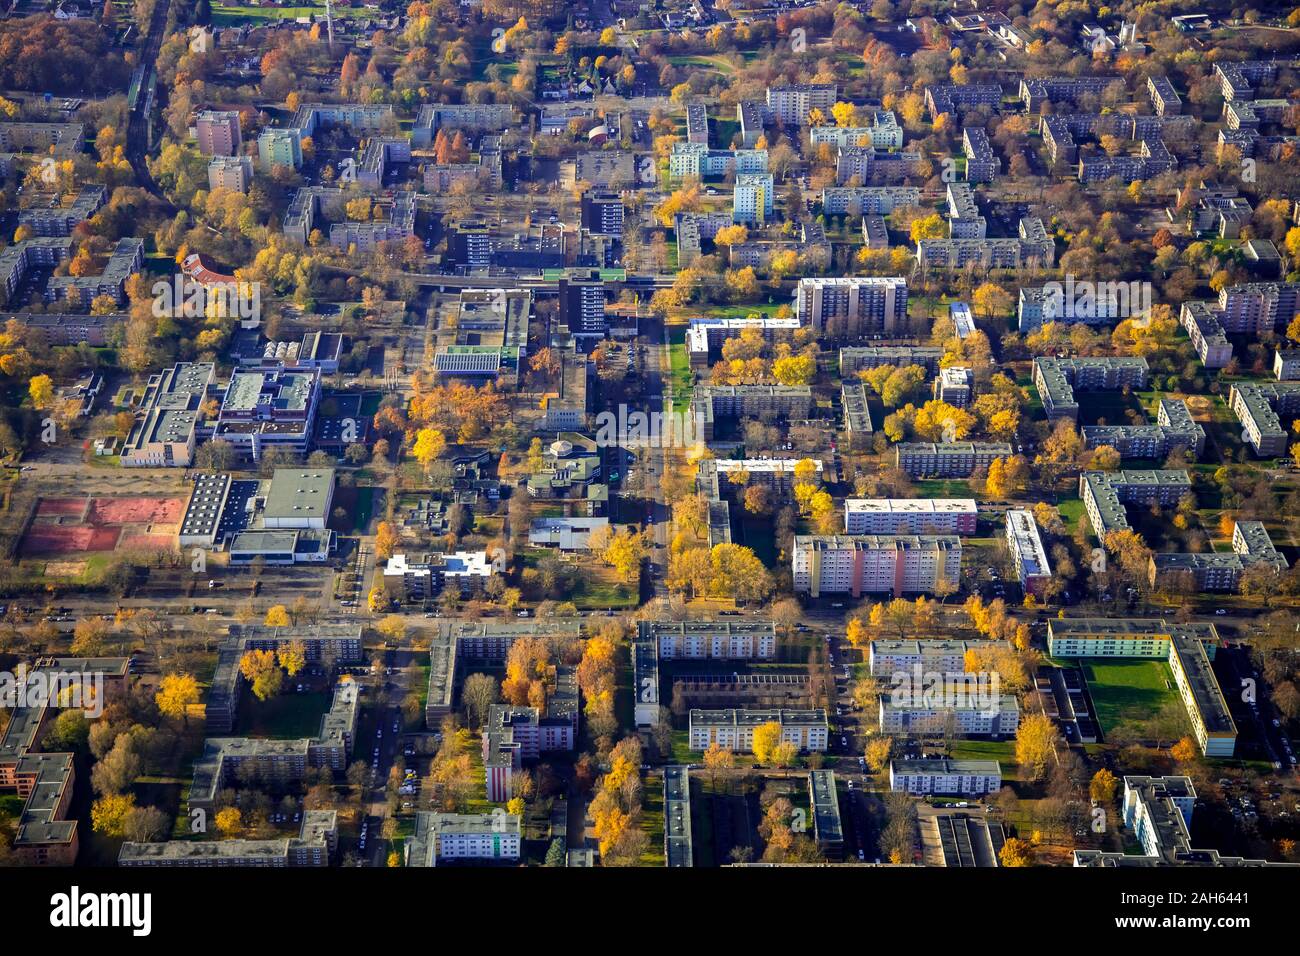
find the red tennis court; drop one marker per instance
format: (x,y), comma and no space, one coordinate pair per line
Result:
(69,525)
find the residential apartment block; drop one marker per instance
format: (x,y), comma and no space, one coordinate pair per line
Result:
(218,132)
(1057,380)
(734,729)
(1260,407)
(1028,555)
(958,459)
(860,358)
(1105,494)
(790,105)
(886,658)
(997,718)
(962,778)
(910,515)
(1158,812)
(875,564)
(1174,428)
(711,640)
(315,845)
(451,837)
(852,307)
(1188,649)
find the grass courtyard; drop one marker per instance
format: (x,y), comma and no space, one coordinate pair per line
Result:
(1125,691)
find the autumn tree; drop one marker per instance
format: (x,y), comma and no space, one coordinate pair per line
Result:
(1035,744)
(176,694)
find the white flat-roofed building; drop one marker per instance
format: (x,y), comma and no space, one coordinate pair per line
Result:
(963,321)
(463,836)
(851,307)
(1027,552)
(964,778)
(955,385)
(910,515)
(994,718)
(1187,648)
(1286,365)
(886,658)
(958,459)
(734,729)
(719,640)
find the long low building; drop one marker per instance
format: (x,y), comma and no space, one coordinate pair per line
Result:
(734,729)
(941,656)
(678,851)
(711,640)
(1187,648)
(1217,570)
(998,717)
(910,515)
(1174,428)
(964,778)
(444,837)
(875,564)
(315,844)
(1260,407)
(958,459)
(860,358)
(1105,494)
(828,829)
(1027,552)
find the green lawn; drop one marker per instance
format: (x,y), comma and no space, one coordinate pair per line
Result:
(225,16)
(680,378)
(1128,690)
(943,488)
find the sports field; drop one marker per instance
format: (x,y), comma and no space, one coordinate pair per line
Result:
(79,524)
(1128,690)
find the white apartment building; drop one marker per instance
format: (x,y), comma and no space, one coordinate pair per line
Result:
(945,657)
(850,307)
(964,778)
(1027,552)
(463,836)
(734,729)
(910,515)
(752,199)
(711,640)
(974,719)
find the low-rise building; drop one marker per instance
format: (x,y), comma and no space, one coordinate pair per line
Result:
(1174,428)
(1028,555)
(733,729)
(828,830)
(958,459)
(962,778)
(1158,811)
(1058,379)
(452,837)
(910,515)
(968,718)
(316,843)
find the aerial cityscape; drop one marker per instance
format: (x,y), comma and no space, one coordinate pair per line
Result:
(708,434)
